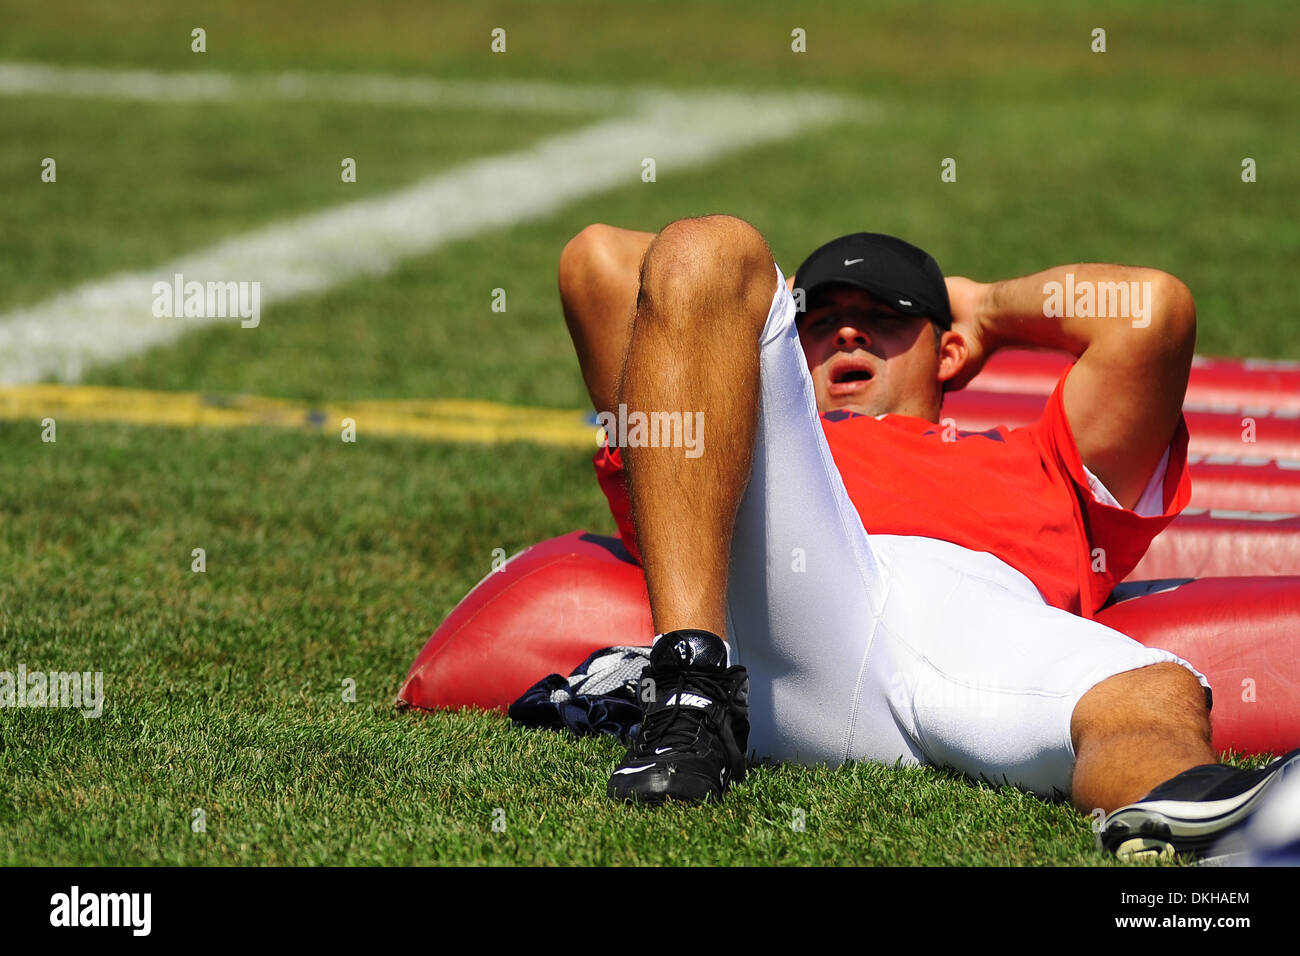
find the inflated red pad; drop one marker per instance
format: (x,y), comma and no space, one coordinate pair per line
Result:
(1223,544)
(1245,483)
(1241,633)
(543,612)
(1222,382)
(553,604)
(1268,434)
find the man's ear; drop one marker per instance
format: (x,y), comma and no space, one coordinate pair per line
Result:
(954,351)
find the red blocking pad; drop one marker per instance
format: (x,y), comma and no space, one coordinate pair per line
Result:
(1220,543)
(1226,382)
(1259,432)
(1243,634)
(1245,483)
(543,612)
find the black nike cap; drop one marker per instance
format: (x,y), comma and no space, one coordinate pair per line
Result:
(895,272)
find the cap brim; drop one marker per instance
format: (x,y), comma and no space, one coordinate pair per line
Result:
(905,304)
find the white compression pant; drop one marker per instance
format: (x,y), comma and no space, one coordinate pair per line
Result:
(892,648)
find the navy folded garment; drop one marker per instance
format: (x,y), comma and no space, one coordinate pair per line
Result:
(599,697)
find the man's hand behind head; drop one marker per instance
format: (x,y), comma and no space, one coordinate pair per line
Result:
(965,347)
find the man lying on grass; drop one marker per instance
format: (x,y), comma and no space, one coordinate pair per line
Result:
(839,577)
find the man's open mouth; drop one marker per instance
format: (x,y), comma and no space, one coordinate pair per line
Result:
(849,376)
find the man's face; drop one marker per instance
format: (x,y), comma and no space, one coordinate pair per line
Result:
(869,358)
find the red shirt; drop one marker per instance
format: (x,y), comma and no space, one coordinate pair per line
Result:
(1020,494)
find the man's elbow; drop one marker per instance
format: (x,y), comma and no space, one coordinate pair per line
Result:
(1168,304)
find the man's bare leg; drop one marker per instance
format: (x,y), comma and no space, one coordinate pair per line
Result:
(600,271)
(706,288)
(1134,731)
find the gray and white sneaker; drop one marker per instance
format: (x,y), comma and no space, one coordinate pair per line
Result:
(1192,811)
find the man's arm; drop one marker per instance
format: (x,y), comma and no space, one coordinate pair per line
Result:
(1134,346)
(600,272)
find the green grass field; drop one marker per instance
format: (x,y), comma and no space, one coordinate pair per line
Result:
(329,561)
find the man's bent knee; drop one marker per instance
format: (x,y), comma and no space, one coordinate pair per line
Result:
(584,258)
(710,266)
(1158,695)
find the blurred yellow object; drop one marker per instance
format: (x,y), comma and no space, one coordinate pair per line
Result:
(457,420)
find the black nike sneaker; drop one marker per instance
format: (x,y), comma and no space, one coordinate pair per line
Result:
(694,733)
(1190,812)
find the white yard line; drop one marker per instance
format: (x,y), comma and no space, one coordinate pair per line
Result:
(36,79)
(110,319)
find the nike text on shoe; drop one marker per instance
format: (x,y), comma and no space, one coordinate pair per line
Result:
(1192,811)
(694,732)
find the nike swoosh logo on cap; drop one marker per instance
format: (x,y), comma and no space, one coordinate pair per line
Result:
(852,262)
